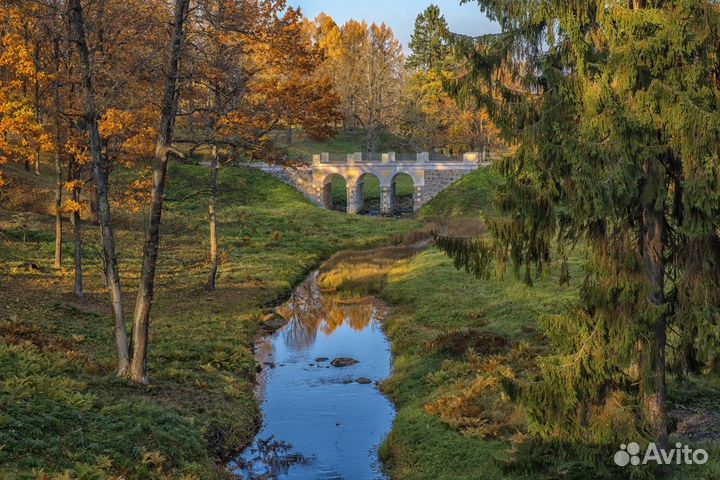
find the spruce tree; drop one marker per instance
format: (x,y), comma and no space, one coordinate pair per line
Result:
(615,112)
(429,41)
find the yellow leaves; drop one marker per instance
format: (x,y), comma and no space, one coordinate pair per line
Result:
(136,197)
(78,151)
(114,122)
(129,134)
(71,206)
(73,184)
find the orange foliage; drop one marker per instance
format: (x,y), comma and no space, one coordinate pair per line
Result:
(257,69)
(21,132)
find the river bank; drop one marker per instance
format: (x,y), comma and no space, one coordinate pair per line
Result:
(440,316)
(454,340)
(63,410)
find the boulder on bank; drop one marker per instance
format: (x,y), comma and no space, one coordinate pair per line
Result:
(343,362)
(272,322)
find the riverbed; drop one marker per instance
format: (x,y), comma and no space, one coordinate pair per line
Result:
(321,421)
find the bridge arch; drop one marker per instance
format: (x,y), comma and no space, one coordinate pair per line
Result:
(367,192)
(401,193)
(334,192)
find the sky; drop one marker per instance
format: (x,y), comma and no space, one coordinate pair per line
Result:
(400,14)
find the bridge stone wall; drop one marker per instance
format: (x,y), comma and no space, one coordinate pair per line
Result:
(438,180)
(429,178)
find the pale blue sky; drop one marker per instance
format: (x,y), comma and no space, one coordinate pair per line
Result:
(400,14)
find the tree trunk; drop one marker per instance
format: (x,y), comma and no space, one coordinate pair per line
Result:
(653,230)
(58,161)
(213,221)
(76,223)
(58,212)
(101,184)
(37,105)
(143,304)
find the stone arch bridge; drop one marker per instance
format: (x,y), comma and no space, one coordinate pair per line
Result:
(428,177)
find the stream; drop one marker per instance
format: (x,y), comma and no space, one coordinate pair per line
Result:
(320,422)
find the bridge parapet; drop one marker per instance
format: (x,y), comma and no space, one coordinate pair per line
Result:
(392,157)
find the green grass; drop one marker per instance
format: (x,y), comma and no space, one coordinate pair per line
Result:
(468,197)
(440,312)
(60,405)
(432,299)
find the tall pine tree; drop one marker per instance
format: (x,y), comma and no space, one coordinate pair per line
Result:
(615,111)
(429,41)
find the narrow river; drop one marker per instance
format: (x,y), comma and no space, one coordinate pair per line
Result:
(321,421)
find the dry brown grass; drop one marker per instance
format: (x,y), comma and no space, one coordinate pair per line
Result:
(361,273)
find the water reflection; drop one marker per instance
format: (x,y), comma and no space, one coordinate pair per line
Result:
(318,421)
(311,312)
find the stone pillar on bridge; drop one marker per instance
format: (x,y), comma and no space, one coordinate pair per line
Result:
(354,196)
(387,199)
(418,198)
(388,157)
(419,189)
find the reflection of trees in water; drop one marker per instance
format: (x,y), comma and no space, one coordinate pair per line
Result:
(309,311)
(268,459)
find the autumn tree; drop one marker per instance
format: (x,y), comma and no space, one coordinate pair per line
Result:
(135,367)
(366,69)
(163,151)
(22,133)
(254,68)
(432,118)
(614,108)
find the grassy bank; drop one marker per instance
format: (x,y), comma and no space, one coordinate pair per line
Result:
(440,316)
(456,338)
(61,407)
(469,197)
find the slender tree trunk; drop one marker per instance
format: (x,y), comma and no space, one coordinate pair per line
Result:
(58,212)
(143,304)
(37,106)
(58,162)
(213,221)
(77,233)
(101,184)
(653,231)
